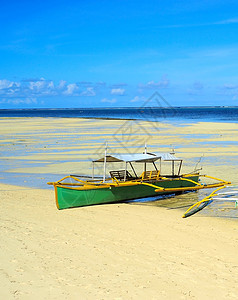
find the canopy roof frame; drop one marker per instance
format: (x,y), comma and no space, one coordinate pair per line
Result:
(138,158)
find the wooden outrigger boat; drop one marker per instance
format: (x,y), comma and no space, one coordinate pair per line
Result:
(125,184)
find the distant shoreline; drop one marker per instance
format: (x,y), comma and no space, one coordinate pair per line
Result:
(118,108)
(157,114)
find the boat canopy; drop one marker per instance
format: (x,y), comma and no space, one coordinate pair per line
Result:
(142,158)
(168,157)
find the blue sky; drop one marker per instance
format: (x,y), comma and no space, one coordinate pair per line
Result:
(118,53)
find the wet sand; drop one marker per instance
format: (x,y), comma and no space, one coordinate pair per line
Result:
(117,251)
(62,146)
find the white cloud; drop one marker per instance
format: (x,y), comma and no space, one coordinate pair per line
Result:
(71,89)
(163,83)
(62,84)
(105,100)
(118,91)
(39,88)
(85,83)
(137,99)
(37,85)
(230,86)
(51,85)
(5,84)
(17,101)
(228,21)
(30,100)
(89,92)
(101,83)
(160,84)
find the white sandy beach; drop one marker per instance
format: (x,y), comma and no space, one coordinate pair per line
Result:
(116,251)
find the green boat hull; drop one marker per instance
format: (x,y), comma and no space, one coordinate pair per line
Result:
(68,197)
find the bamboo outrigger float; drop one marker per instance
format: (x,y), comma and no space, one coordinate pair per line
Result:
(122,185)
(230,195)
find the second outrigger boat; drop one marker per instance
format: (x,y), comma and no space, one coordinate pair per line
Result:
(72,191)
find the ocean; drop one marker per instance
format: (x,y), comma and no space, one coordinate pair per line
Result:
(214,114)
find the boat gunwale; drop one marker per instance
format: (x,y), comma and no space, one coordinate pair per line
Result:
(85,185)
(88,186)
(117,182)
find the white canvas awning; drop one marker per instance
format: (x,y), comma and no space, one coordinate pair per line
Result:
(142,158)
(168,156)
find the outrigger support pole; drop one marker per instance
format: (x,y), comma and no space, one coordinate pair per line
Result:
(173,167)
(155,166)
(180,165)
(93,171)
(125,171)
(133,169)
(105,161)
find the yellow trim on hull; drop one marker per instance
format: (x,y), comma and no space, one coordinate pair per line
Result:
(198,185)
(192,188)
(85,185)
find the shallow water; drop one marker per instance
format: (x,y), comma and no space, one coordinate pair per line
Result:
(224,209)
(35,151)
